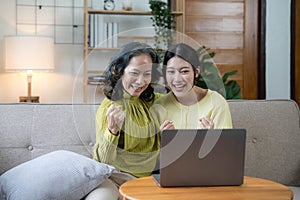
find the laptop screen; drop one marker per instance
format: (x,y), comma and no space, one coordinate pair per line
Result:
(191,157)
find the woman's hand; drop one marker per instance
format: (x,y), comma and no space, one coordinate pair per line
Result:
(115,118)
(206,123)
(167,125)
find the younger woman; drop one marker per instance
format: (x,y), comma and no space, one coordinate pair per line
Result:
(188,106)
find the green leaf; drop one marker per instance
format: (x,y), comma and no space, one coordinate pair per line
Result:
(226,75)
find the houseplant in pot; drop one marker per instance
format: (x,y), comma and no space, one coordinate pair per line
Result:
(211,78)
(163,25)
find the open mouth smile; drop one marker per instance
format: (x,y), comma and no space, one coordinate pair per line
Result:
(138,89)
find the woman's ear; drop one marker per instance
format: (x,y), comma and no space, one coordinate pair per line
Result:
(197,72)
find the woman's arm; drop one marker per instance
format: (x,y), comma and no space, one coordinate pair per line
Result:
(218,112)
(222,117)
(105,149)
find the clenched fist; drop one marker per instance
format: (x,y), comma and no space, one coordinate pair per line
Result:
(115,117)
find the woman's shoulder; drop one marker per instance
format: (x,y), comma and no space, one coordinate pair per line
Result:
(105,103)
(215,94)
(216,97)
(158,95)
(164,98)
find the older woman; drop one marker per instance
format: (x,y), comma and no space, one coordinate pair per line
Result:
(126,136)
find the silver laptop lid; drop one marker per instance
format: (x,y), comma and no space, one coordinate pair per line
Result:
(212,157)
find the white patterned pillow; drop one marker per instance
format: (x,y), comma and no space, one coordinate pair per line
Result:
(56,175)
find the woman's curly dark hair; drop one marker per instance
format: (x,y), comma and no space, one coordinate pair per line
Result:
(113,88)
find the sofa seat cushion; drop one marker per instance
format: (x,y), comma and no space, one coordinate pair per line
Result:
(56,175)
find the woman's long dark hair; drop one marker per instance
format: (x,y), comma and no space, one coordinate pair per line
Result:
(113,88)
(185,52)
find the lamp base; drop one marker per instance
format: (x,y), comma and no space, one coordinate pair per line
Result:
(32,99)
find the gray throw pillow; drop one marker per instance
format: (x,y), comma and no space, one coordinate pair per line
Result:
(56,175)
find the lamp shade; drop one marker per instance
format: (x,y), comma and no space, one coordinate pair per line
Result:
(29,53)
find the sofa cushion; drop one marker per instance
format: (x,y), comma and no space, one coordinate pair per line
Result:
(56,175)
(273,138)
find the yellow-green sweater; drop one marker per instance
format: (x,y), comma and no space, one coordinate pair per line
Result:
(212,105)
(136,150)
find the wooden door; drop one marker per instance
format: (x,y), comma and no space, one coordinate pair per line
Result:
(296,51)
(230,29)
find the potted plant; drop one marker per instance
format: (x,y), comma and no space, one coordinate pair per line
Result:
(162,22)
(210,76)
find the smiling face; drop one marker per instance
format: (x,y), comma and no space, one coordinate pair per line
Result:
(137,74)
(180,76)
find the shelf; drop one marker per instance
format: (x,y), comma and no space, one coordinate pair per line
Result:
(89,13)
(123,12)
(104,48)
(129,38)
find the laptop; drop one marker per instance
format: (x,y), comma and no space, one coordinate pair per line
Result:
(213,157)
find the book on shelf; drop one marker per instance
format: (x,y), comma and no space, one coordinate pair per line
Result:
(109,34)
(111,30)
(95,83)
(97,77)
(96,80)
(102,34)
(96,38)
(91,31)
(100,30)
(115,34)
(105,30)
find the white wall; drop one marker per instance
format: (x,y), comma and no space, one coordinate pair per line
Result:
(278,49)
(55,87)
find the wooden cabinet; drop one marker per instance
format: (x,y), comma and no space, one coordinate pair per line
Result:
(296,52)
(135,34)
(230,29)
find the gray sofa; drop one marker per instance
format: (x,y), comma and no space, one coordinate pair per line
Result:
(273,135)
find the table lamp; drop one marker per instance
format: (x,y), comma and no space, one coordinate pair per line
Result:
(29,53)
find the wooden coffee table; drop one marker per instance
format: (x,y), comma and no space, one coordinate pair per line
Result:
(253,188)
